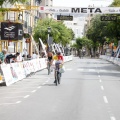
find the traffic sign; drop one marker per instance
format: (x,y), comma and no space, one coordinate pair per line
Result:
(108,18)
(64,17)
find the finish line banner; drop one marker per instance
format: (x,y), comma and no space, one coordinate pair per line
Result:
(81,10)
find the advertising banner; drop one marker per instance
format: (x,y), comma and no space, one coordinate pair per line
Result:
(15,71)
(11,31)
(7,74)
(42,63)
(80,10)
(26,67)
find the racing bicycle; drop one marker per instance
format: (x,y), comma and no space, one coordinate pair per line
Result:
(48,67)
(57,74)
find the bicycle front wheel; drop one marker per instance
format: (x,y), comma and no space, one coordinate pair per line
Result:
(56,78)
(48,69)
(59,77)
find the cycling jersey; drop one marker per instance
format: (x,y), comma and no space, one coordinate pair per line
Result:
(58,57)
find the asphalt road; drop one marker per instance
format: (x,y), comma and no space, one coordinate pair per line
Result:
(89,90)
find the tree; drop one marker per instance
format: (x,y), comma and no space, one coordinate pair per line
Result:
(59,32)
(102,31)
(116,3)
(82,42)
(12,1)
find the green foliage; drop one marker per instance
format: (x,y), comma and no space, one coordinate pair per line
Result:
(59,32)
(116,3)
(12,1)
(101,32)
(83,42)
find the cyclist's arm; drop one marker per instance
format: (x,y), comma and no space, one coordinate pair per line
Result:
(62,59)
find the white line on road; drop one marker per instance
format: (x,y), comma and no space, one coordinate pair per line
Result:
(33,91)
(100,80)
(26,96)
(112,118)
(91,70)
(18,102)
(13,97)
(102,88)
(98,75)
(39,87)
(7,103)
(14,92)
(80,69)
(43,83)
(69,69)
(47,81)
(105,99)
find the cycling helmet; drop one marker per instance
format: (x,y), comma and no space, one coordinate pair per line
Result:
(58,53)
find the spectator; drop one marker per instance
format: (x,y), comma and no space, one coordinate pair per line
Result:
(34,56)
(11,57)
(37,56)
(28,57)
(2,55)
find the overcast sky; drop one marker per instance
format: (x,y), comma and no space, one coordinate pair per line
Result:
(81,3)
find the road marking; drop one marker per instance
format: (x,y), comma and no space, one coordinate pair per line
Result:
(112,118)
(13,97)
(103,70)
(98,75)
(100,80)
(91,70)
(43,83)
(14,92)
(7,103)
(102,87)
(26,96)
(47,81)
(18,102)
(39,87)
(80,69)
(69,69)
(105,99)
(33,91)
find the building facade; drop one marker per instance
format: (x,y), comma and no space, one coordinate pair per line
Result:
(28,17)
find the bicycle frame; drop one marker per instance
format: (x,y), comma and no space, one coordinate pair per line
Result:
(48,67)
(57,74)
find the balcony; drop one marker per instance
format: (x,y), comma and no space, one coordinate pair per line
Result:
(25,24)
(38,1)
(30,29)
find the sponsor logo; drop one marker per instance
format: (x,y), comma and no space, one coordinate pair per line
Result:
(41,8)
(20,32)
(63,10)
(86,10)
(9,28)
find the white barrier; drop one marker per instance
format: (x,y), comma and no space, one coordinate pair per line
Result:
(17,71)
(111,59)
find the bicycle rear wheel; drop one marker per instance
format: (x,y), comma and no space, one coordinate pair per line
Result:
(56,78)
(59,77)
(48,68)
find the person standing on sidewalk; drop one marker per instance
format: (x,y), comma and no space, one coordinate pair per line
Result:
(2,55)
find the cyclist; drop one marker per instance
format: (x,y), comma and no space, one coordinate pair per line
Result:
(58,60)
(49,58)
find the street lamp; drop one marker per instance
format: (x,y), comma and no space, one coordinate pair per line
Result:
(49,30)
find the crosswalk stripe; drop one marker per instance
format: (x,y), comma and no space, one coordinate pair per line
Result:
(80,69)
(68,69)
(91,70)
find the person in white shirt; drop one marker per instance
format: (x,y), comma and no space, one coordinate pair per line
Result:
(34,56)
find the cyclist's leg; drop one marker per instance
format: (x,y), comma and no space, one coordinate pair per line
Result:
(55,74)
(56,65)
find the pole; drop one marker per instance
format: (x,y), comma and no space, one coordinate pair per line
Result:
(48,42)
